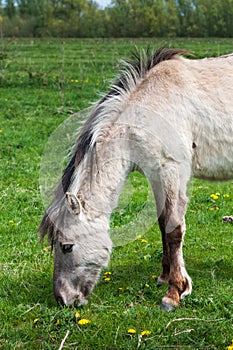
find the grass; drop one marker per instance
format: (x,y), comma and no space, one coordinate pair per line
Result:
(43,83)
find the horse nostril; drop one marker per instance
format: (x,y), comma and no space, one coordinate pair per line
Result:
(60,301)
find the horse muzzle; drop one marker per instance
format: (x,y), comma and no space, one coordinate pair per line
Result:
(65,295)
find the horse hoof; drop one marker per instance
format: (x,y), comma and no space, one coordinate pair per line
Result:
(161,282)
(167,307)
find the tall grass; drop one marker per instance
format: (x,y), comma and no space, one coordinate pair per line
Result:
(44,82)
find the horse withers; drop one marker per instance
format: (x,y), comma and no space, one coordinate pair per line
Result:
(169,117)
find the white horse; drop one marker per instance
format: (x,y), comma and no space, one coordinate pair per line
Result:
(167,116)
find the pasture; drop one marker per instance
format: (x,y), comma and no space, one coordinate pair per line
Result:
(43,82)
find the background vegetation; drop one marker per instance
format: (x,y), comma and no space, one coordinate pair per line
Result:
(123,18)
(42,82)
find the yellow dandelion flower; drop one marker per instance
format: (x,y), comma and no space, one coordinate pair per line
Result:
(76,81)
(36,320)
(107,273)
(107,279)
(147,285)
(226,195)
(45,249)
(146,332)
(215,207)
(144,241)
(83,321)
(77,314)
(11,221)
(214,196)
(121,289)
(131,331)
(139,237)
(153,277)
(218,194)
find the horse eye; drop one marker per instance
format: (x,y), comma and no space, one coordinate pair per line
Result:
(66,248)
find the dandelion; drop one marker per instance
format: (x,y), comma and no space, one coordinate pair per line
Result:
(36,320)
(11,221)
(1,130)
(215,207)
(139,236)
(144,241)
(121,289)
(45,249)
(226,195)
(153,277)
(214,196)
(76,81)
(147,285)
(146,332)
(106,276)
(230,347)
(83,321)
(131,331)
(77,314)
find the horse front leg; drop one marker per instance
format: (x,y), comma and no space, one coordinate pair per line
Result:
(164,276)
(179,282)
(171,200)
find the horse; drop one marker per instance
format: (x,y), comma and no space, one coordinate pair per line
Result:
(171,118)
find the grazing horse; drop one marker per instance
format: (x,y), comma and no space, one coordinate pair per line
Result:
(170,118)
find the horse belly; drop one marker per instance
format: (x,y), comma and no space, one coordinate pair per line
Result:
(214,167)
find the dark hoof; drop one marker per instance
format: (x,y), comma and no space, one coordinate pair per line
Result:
(167,307)
(161,282)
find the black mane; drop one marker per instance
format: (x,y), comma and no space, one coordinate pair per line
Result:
(141,63)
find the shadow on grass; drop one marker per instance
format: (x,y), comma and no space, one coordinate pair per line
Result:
(135,279)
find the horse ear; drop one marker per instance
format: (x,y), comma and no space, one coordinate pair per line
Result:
(73,203)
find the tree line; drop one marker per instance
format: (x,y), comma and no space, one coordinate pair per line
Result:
(122,18)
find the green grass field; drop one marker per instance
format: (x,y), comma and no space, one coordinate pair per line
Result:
(42,83)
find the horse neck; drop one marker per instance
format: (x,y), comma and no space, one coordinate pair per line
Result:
(100,178)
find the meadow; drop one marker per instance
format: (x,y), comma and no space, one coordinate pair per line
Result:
(42,83)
